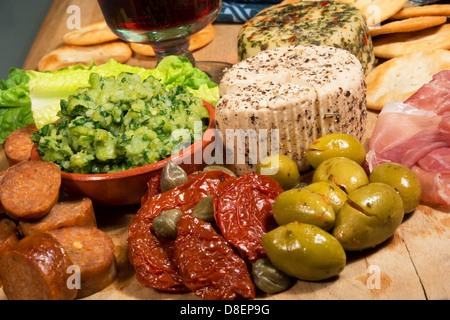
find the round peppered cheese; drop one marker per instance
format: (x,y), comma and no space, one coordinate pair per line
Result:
(281,100)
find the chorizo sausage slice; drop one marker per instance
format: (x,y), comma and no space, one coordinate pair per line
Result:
(243,212)
(92,250)
(208,264)
(2,175)
(30,189)
(69,211)
(18,144)
(9,235)
(35,268)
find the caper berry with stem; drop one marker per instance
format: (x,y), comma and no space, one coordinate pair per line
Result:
(172,176)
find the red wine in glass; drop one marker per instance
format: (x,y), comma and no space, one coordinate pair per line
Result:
(164,24)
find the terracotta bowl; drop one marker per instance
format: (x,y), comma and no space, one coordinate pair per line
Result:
(127,187)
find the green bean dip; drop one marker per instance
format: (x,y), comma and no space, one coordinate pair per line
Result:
(121,123)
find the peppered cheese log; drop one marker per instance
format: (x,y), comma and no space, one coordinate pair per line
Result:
(304,92)
(327,23)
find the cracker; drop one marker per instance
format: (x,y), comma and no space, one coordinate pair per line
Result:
(408,25)
(397,79)
(198,40)
(375,11)
(419,11)
(397,44)
(69,55)
(95,33)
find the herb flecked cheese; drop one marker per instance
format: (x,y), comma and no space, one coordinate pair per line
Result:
(327,23)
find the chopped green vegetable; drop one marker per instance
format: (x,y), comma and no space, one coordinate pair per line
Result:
(119,123)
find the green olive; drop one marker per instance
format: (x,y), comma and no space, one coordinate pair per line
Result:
(204,209)
(219,168)
(332,192)
(281,168)
(300,185)
(369,217)
(172,176)
(345,173)
(335,145)
(304,206)
(268,278)
(304,251)
(165,224)
(402,179)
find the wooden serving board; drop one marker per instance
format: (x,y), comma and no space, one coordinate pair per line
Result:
(413,264)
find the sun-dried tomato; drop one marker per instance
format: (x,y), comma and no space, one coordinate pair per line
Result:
(152,257)
(243,212)
(208,264)
(153,188)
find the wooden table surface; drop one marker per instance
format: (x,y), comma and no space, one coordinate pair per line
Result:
(413,264)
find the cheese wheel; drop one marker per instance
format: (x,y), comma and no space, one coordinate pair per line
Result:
(327,23)
(304,92)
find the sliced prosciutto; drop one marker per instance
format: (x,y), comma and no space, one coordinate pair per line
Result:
(433,96)
(416,133)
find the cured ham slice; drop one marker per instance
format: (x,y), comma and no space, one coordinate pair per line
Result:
(435,186)
(434,96)
(416,133)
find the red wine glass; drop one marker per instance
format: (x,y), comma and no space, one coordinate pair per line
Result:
(166,25)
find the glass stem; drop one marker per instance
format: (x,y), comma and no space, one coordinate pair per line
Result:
(178,47)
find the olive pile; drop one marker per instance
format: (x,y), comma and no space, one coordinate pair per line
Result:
(342,209)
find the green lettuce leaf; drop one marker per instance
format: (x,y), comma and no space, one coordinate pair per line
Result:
(14,90)
(176,70)
(15,103)
(14,118)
